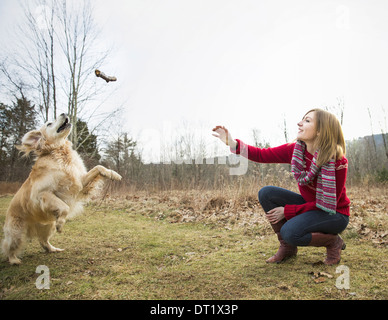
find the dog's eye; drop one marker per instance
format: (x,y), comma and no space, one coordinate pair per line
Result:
(49,124)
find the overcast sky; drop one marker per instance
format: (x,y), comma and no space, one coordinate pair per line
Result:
(243,64)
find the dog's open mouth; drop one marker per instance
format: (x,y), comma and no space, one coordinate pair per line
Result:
(64,126)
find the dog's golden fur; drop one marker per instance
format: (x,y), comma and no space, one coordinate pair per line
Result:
(55,189)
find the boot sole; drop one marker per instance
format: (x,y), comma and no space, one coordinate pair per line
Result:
(280,261)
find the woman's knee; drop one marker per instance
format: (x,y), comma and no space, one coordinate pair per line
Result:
(264,193)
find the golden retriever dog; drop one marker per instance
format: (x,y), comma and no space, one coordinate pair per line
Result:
(54,191)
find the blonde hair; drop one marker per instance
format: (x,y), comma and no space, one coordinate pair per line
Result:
(330,140)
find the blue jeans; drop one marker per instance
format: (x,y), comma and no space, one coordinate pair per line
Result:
(297,231)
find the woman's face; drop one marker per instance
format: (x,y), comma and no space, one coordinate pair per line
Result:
(307,128)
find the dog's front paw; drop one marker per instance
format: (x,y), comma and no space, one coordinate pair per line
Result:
(115,176)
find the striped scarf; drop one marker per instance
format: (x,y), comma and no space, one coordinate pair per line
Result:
(326,187)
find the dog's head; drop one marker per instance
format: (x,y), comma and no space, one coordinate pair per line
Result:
(50,135)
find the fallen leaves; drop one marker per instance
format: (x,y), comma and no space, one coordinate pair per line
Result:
(369,216)
(230,209)
(320,276)
(377,237)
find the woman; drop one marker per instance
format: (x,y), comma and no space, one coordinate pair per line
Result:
(320,212)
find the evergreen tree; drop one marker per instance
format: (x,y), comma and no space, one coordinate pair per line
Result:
(120,154)
(15,122)
(4,139)
(87,144)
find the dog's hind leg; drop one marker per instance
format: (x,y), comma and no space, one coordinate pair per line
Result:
(14,238)
(44,233)
(52,205)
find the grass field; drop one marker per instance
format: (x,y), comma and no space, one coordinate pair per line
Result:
(194,245)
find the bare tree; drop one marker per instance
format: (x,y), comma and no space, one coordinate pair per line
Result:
(78,44)
(384,131)
(14,83)
(36,58)
(338,110)
(371,127)
(57,53)
(285,130)
(341,109)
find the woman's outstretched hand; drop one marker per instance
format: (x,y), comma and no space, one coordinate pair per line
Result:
(223,134)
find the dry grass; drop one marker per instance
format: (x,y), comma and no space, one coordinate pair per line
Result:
(197,245)
(238,206)
(9,188)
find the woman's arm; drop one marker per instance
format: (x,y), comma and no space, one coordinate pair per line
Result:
(280,154)
(292,210)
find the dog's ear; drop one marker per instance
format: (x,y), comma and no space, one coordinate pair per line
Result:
(30,142)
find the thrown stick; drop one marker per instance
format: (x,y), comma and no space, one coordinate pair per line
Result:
(104,76)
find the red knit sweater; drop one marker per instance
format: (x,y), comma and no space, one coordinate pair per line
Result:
(283,154)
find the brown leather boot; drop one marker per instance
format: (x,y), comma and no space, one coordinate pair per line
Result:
(333,243)
(285,250)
